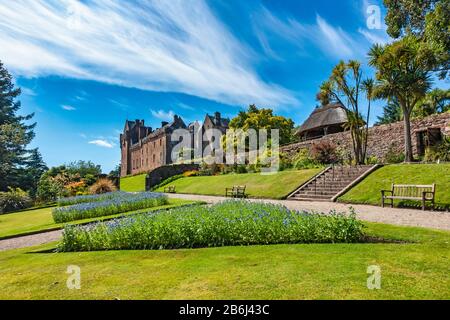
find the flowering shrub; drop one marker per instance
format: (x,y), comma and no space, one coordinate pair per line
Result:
(192,173)
(74,188)
(118,203)
(230,223)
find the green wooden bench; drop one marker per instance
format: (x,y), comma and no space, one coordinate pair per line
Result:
(236,192)
(420,192)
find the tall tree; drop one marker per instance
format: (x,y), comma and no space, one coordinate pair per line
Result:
(30,174)
(436,101)
(15,134)
(368,87)
(255,118)
(403,73)
(428,20)
(346,86)
(392,112)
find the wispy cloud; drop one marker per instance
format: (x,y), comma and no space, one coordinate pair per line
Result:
(163,115)
(156,45)
(28,92)
(68,107)
(331,40)
(374,37)
(102,143)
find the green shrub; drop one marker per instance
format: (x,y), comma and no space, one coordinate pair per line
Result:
(14,199)
(440,152)
(230,223)
(393,156)
(167,181)
(303,160)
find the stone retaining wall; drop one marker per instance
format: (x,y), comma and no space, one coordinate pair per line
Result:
(159,174)
(381,138)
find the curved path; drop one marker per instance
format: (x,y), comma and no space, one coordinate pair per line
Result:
(402,217)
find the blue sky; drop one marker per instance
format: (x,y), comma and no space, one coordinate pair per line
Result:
(86,66)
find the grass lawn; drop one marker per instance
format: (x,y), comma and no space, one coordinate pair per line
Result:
(41,219)
(368,191)
(275,186)
(312,271)
(133,183)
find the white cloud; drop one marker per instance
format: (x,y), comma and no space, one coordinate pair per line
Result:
(27,91)
(102,143)
(156,45)
(334,39)
(68,107)
(331,40)
(375,37)
(163,115)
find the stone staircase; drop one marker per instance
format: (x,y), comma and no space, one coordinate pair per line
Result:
(331,182)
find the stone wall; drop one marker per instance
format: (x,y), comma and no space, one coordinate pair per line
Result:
(159,174)
(381,138)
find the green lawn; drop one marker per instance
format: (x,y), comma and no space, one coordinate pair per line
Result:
(312,271)
(275,186)
(368,191)
(41,219)
(133,183)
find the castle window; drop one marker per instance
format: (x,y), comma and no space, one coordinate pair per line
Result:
(153,158)
(160,143)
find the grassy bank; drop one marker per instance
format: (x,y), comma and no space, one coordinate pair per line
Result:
(275,186)
(133,183)
(368,191)
(313,271)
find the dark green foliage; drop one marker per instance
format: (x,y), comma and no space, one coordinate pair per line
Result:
(392,112)
(428,20)
(15,135)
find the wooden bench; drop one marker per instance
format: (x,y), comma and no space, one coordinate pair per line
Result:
(169,189)
(409,192)
(236,192)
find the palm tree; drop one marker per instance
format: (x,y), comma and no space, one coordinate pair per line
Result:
(346,84)
(368,86)
(403,73)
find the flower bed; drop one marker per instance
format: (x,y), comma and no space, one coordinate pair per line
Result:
(120,202)
(230,223)
(88,198)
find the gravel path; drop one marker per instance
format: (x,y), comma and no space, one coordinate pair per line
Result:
(29,241)
(403,217)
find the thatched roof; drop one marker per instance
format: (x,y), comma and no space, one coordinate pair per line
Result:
(331,114)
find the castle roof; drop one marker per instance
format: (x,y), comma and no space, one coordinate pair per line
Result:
(219,121)
(331,114)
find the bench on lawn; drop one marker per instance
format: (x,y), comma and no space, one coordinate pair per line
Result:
(169,189)
(419,192)
(236,192)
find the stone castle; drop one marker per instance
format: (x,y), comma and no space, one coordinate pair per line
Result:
(144,149)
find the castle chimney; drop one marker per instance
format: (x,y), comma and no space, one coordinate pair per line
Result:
(164,123)
(217,117)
